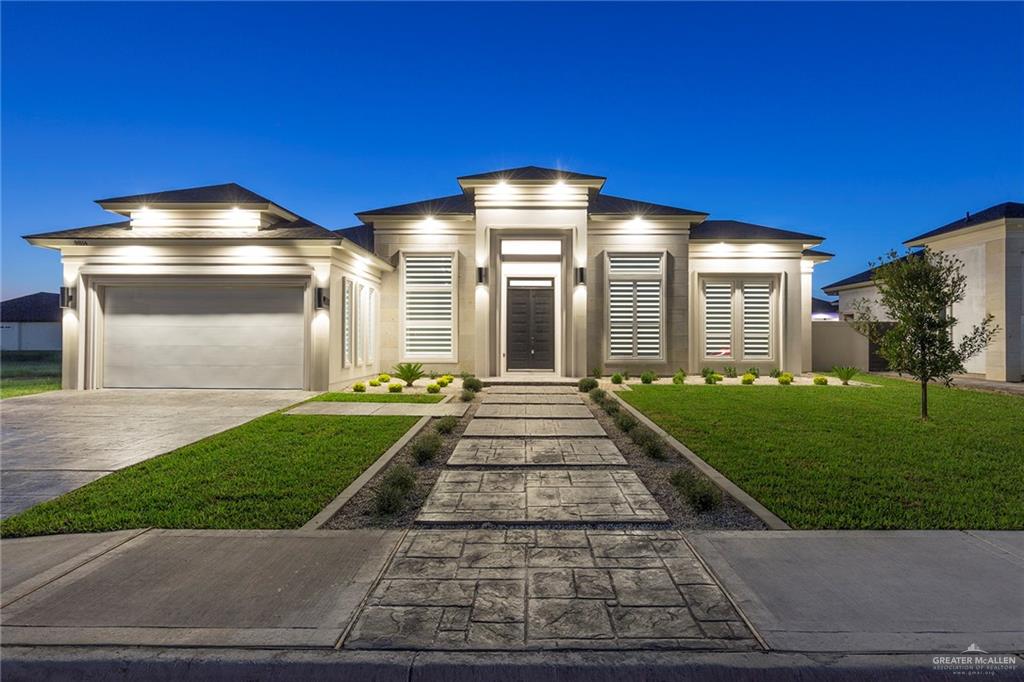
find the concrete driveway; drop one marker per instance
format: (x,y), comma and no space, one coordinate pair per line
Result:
(52,443)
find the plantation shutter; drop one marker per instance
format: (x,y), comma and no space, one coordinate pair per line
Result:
(717,320)
(346,321)
(429,306)
(634,305)
(756,319)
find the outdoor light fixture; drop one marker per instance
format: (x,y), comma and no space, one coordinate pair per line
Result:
(67,297)
(323,298)
(481,275)
(581,276)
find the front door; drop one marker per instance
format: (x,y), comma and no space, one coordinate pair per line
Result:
(530,327)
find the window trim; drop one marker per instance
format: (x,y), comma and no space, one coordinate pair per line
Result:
(634,276)
(736,281)
(409,357)
(347,318)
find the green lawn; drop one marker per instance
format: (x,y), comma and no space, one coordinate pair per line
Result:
(379,397)
(276,471)
(28,372)
(847,457)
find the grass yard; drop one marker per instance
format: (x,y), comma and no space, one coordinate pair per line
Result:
(26,372)
(847,457)
(276,471)
(378,398)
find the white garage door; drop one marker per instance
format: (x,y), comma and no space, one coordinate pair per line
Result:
(203,337)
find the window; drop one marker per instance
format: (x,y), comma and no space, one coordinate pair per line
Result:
(738,319)
(361,325)
(347,320)
(428,283)
(634,306)
(371,326)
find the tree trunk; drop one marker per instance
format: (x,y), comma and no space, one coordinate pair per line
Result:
(924,400)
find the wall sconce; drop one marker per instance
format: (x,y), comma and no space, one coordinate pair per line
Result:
(67,297)
(323,298)
(481,275)
(581,276)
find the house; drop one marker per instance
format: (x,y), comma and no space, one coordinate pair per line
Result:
(524,272)
(990,244)
(823,309)
(31,322)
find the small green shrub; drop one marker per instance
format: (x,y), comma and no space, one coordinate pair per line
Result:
(400,476)
(374,383)
(625,421)
(598,395)
(755,371)
(706,371)
(785,378)
(395,388)
(359,387)
(641,435)
(845,374)
(729,371)
(679,377)
(698,491)
(587,384)
(467,395)
(394,489)
(463,374)
(433,374)
(747,378)
(384,378)
(616,378)
(774,373)
(426,448)
(442,381)
(408,372)
(820,381)
(473,384)
(446,424)
(625,376)
(596,373)
(434,388)
(610,407)
(388,500)
(655,450)
(648,377)
(712,378)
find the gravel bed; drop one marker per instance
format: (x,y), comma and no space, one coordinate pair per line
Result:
(360,511)
(731,515)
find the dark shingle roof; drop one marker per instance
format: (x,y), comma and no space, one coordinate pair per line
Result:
(228,193)
(362,235)
(299,229)
(40,307)
(1008,209)
(527,173)
(606,204)
(859,278)
(456,204)
(734,229)
(815,252)
(820,305)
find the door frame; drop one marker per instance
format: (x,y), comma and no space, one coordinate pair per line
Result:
(530,270)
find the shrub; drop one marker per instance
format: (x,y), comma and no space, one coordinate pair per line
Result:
(648,377)
(446,424)
(679,377)
(384,378)
(755,371)
(654,450)
(774,373)
(747,378)
(448,377)
(472,383)
(434,388)
(625,421)
(463,374)
(820,381)
(598,395)
(467,395)
(442,381)
(699,492)
(616,378)
(400,476)
(706,372)
(433,374)
(359,387)
(625,376)
(610,407)
(785,378)
(641,435)
(408,372)
(729,371)
(712,378)
(394,488)
(425,448)
(596,372)
(587,384)
(388,500)
(845,374)
(395,388)
(374,383)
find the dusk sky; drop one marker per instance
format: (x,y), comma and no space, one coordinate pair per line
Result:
(865,123)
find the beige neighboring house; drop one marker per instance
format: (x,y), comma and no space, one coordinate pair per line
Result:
(990,244)
(530,272)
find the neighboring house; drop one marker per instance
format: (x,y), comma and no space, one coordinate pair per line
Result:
(30,322)
(822,309)
(527,271)
(990,244)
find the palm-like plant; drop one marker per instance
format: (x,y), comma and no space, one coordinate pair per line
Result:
(408,372)
(845,374)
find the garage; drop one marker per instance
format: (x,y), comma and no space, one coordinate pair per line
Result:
(203,337)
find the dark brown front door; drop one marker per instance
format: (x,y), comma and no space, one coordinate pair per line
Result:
(530,328)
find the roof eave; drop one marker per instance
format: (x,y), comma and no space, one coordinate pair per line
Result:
(125,208)
(471,184)
(372,216)
(680,218)
(356,249)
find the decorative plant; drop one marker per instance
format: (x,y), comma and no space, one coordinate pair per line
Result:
(374,383)
(774,373)
(426,448)
(648,377)
(587,384)
(755,371)
(625,421)
(598,395)
(408,372)
(467,395)
(712,378)
(747,378)
(433,374)
(384,378)
(359,387)
(395,388)
(616,378)
(679,377)
(820,381)
(446,424)
(434,388)
(625,375)
(610,407)
(706,372)
(729,371)
(845,374)
(442,381)
(472,383)
(785,378)
(698,491)
(394,487)
(596,372)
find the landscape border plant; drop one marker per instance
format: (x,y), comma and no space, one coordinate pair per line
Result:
(409,372)
(845,374)
(446,424)
(648,377)
(586,384)
(616,378)
(699,492)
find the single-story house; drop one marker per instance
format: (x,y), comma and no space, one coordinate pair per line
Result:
(823,309)
(31,322)
(990,244)
(524,272)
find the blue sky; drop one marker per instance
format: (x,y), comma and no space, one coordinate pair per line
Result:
(866,123)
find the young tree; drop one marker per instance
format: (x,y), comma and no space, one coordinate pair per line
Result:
(916,294)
